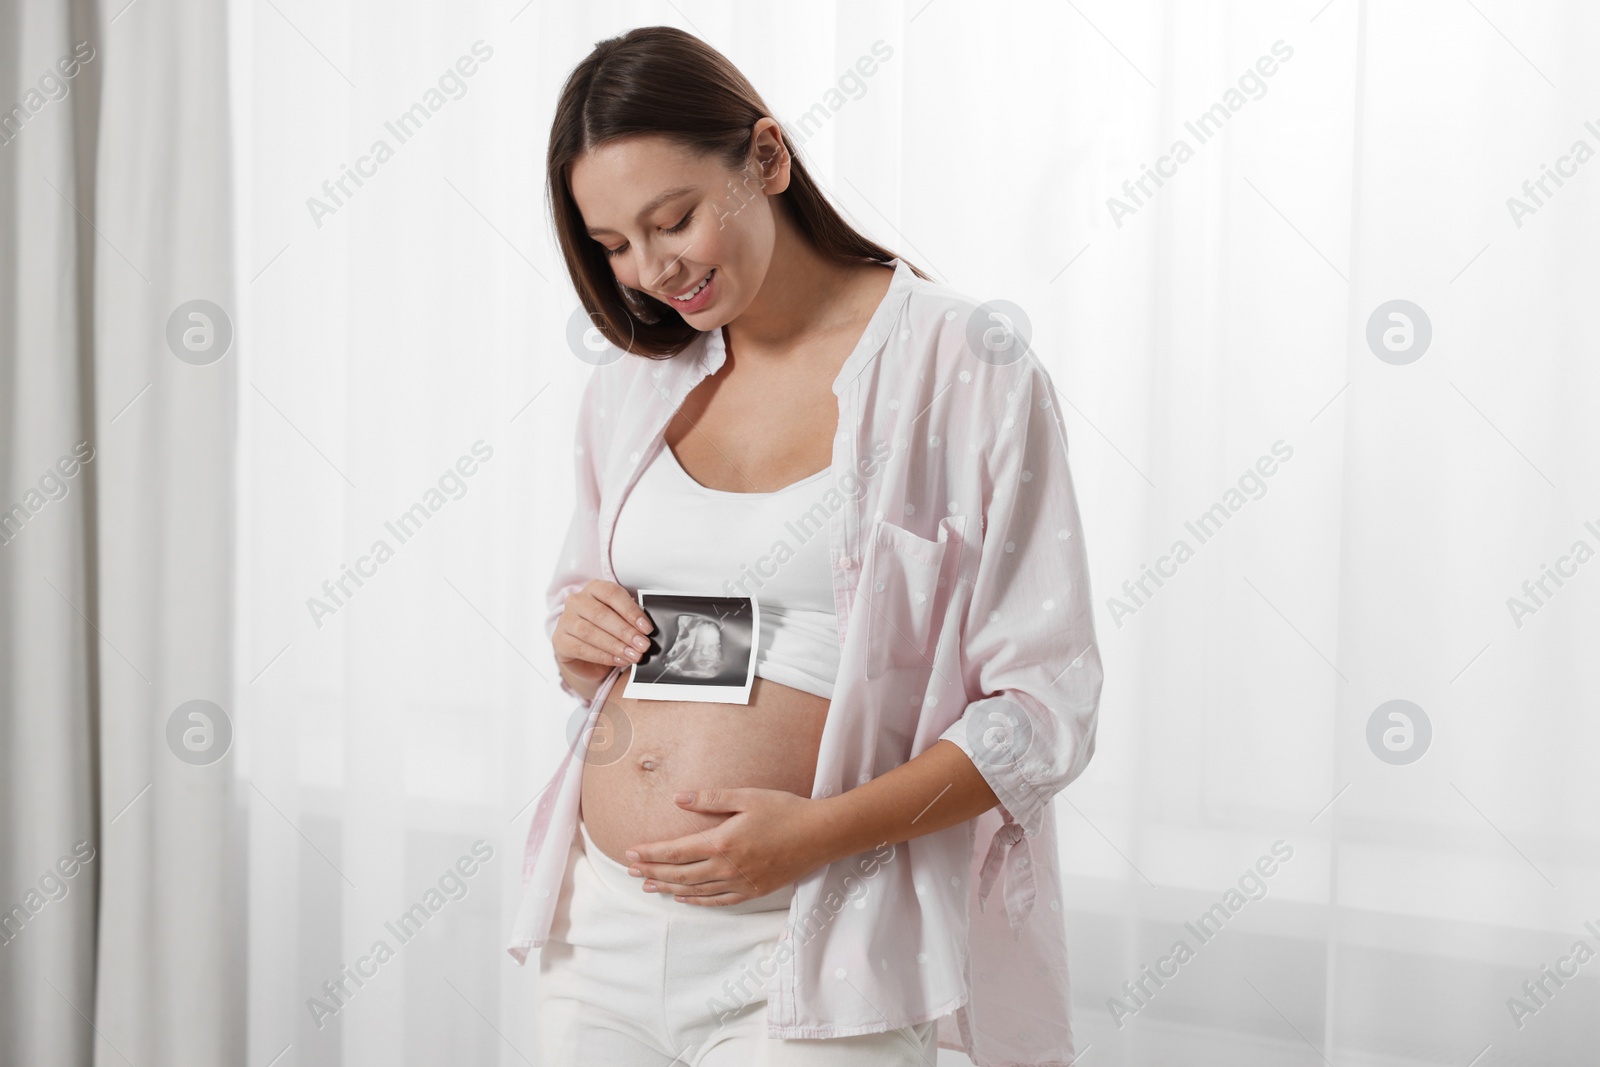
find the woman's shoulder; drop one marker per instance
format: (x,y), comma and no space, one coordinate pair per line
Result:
(621,375)
(622,392)
(967,340)
(933,297)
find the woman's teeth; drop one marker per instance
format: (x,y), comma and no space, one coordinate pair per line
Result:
(686,297)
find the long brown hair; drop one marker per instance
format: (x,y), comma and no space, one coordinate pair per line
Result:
(661,80)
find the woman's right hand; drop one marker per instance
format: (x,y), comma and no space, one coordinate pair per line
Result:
(601,626)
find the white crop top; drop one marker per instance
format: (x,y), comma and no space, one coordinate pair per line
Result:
(674,533)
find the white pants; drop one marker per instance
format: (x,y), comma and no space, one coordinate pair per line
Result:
(636,979)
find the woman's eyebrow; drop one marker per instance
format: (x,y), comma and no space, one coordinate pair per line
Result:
(657,201)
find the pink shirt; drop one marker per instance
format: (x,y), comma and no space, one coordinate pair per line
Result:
(963,606)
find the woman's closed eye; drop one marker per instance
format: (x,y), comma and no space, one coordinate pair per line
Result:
(676,228)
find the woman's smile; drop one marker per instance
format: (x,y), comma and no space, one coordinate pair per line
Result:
(697,296)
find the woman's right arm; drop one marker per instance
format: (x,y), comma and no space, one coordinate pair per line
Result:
(601,627)
(579,687)
(590,622)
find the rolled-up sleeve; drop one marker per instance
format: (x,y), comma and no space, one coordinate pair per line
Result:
(580,552)
(1028,642)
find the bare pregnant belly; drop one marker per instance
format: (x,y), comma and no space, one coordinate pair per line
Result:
(641,752)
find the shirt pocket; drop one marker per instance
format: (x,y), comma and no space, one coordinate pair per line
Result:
(907,586)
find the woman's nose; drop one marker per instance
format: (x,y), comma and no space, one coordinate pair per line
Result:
(660,267)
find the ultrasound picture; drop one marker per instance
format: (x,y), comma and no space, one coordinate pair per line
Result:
(704,648)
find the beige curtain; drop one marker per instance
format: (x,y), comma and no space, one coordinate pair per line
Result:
(116,449)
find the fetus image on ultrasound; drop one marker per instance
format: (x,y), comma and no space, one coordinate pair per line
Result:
(704,642)
(697,652)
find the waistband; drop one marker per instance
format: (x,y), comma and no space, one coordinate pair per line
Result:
(616,877)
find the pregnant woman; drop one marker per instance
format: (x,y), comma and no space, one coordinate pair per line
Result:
(801,416)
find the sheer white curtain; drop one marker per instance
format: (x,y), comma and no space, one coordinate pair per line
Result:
(1354,522)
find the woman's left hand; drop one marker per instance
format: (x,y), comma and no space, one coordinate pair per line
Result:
(771,839)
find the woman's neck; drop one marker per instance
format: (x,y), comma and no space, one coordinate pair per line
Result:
(803,293)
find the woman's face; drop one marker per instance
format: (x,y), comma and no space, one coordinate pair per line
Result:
(668,219)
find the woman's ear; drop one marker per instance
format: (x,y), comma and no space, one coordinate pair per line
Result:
(770,155)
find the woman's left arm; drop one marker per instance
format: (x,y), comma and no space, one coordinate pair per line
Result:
(937,789)
(778,837)
(1027,648)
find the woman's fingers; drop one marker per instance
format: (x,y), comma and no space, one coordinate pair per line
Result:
(598,626)
(595,630)
(706,893)
(719,900)
(573,650)
(614,596)
(717,889)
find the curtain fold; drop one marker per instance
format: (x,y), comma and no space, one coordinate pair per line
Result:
(50,867)
(117,565)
